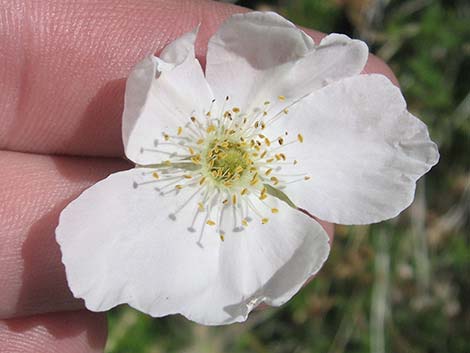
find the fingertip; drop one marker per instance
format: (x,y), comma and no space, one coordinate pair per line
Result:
(376,65)
(71,332)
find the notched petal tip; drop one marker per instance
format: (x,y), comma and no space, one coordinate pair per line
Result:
(182,47)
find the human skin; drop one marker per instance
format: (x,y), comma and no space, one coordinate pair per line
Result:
(62,74)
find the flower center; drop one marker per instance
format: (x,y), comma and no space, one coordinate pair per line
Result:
(227,158)
(227,162)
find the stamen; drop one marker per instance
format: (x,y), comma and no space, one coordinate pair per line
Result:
(230,158)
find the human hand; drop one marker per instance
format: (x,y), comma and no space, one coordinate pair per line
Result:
(62,75)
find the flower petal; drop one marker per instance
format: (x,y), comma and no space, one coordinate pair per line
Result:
(162,94)
(126,244)
(257,57)
(270,262)
(362,149)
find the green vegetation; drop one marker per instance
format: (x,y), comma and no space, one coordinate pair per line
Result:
(401,286)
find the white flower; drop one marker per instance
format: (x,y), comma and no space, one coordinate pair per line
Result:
(207,223)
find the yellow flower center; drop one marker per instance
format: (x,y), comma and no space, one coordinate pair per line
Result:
(227,162)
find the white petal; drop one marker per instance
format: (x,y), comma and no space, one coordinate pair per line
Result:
(257,57)
(362,150)
(178,50)
(270,262)
(162,94)
(119,245)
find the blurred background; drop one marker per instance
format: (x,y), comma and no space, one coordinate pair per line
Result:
(401,286)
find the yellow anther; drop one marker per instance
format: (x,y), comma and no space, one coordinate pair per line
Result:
(200,141)
(295,161)
(275,180)
(280,140)
(234,199)
(286,111)
(167,163)
(244,191)
(269,171)
(254,181)
(245,222)
(261,136)
(274,210)
(267,142)
(281,98)
(196,159)
(210,222)
(191,151)
(187,176)
(202,180)
(263,126)
(155,175)
(179,187)
(193,119)
(238,169)
(180,131)
(264,220)
(283,156)
(166,137)
(263,154)
(300,138)
(222,237)
(210,128)
(225,202)
(265,113)
(270,160)
(306,178)
(208,113)
(236,110)
(200,206)
(263,196)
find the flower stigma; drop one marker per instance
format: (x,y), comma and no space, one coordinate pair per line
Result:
(229,162)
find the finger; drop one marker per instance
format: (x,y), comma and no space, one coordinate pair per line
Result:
(72,332)
(62,81)
(33,191)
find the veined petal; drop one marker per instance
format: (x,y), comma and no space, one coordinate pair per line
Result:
(123,242)
(362,149)
(259,57)
(161,94)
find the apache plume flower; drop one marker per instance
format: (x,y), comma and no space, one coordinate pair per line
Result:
(208,223)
